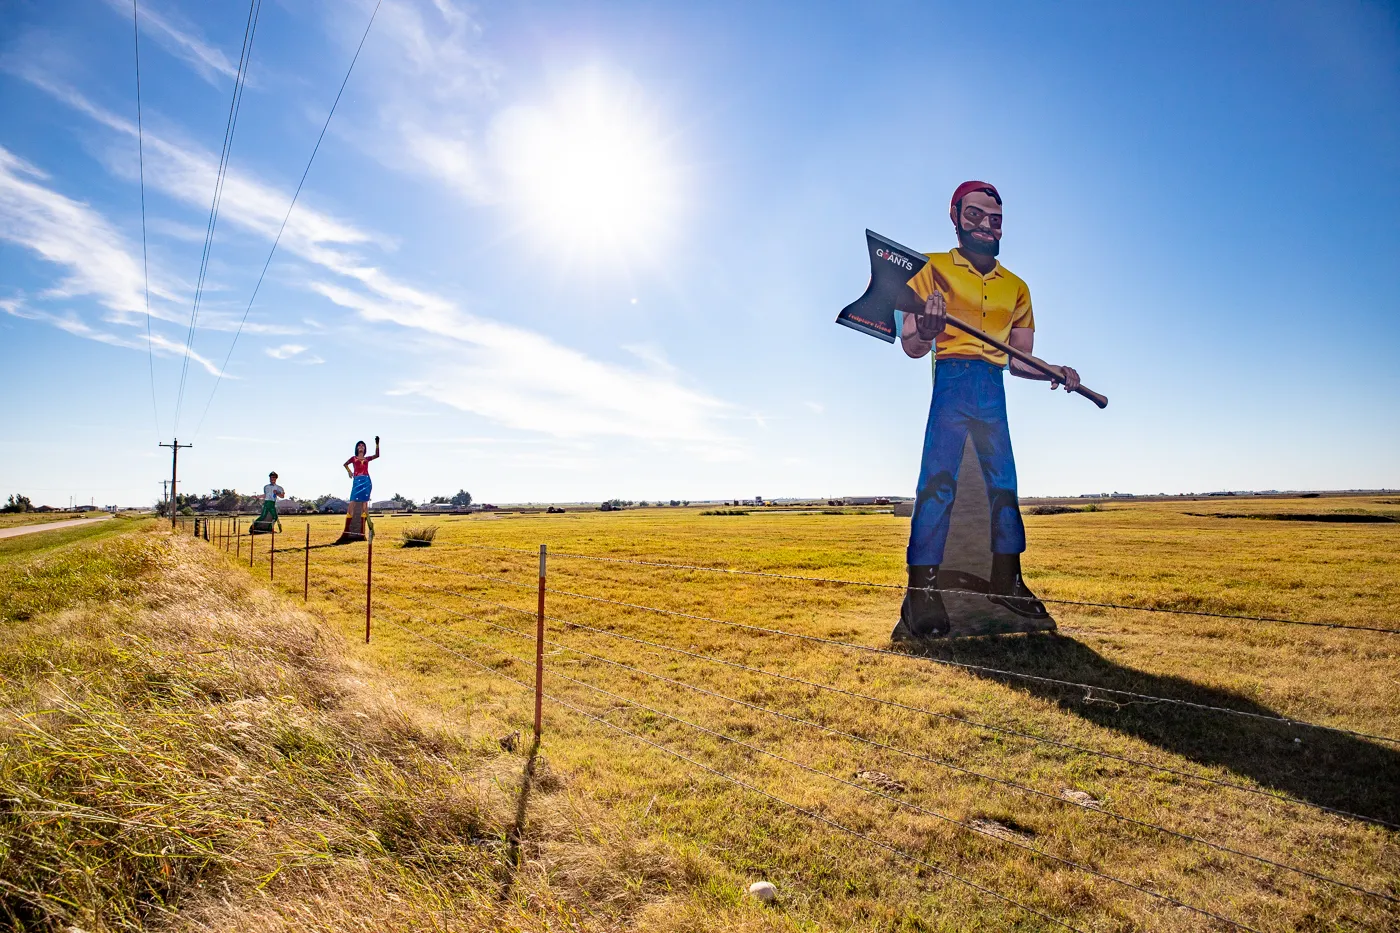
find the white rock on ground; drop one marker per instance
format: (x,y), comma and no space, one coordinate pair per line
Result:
(763,890)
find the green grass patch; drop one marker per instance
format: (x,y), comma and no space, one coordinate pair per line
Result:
(95,562)
(25,546)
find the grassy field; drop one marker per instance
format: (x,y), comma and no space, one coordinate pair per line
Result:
(1141,554)
(13,519)
(182,749)
(1000,781)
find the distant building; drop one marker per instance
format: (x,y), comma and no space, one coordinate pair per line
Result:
(334,506)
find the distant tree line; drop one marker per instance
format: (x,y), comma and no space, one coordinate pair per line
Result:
(617,505)
(18,503)
(231,500)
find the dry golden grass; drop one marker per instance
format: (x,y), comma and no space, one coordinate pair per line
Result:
(181,748)
(1142,554)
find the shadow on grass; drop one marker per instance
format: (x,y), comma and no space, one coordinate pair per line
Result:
(517,831)
(1322,767)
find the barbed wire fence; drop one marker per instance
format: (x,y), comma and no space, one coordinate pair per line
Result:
(228,534)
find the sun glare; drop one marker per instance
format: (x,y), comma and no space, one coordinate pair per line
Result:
(590,171)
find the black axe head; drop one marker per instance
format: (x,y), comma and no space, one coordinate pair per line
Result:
(891,268)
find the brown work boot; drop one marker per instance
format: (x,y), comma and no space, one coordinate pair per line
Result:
(1009,588)
(922,615)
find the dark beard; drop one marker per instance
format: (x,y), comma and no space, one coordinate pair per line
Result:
(970,245)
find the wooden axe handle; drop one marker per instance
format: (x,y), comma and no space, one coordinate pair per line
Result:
(1031,361)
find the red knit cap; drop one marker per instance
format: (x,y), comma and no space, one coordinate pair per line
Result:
(963,190)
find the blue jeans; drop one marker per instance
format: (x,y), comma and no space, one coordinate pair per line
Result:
(968,398)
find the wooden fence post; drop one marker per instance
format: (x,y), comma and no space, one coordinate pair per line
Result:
(539,653)
(369,581)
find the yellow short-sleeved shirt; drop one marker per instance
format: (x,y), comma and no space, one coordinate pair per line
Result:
(993,303)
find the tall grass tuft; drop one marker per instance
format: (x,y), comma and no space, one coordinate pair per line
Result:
(419,536)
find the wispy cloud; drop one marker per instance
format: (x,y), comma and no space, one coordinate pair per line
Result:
(507,374)
(295,352)
(72,324)
(98,263)
(73,235)
(525,380)
(434,82)
(179,39)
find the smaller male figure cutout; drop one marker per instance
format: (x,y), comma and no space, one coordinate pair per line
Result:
(968,283)
(271,493)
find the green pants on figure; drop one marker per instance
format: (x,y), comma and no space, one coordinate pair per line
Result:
(269,514)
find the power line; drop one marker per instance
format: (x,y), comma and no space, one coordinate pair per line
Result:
(809,723)
(1069,746)
(956,592)
(811,814)
(278,239)
(1089,689)
(239,82)
(1263,860)
(141,167)
(936,761)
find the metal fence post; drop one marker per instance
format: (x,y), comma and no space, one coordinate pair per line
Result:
(369,582)
(539,652)
(306,570)
(251,539)
(272,555)
(238,537)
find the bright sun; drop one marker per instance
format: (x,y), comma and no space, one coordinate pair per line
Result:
(591,170)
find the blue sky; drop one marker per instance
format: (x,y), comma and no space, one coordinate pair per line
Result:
(576,251)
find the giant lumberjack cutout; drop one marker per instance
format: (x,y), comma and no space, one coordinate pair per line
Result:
(966,536)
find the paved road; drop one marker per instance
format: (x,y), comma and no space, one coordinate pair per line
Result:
(48,526)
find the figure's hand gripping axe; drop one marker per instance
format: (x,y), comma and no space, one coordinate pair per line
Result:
(891,268)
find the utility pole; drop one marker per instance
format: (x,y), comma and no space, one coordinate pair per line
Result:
(174,474)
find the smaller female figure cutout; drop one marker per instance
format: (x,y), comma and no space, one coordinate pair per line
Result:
(357,468)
